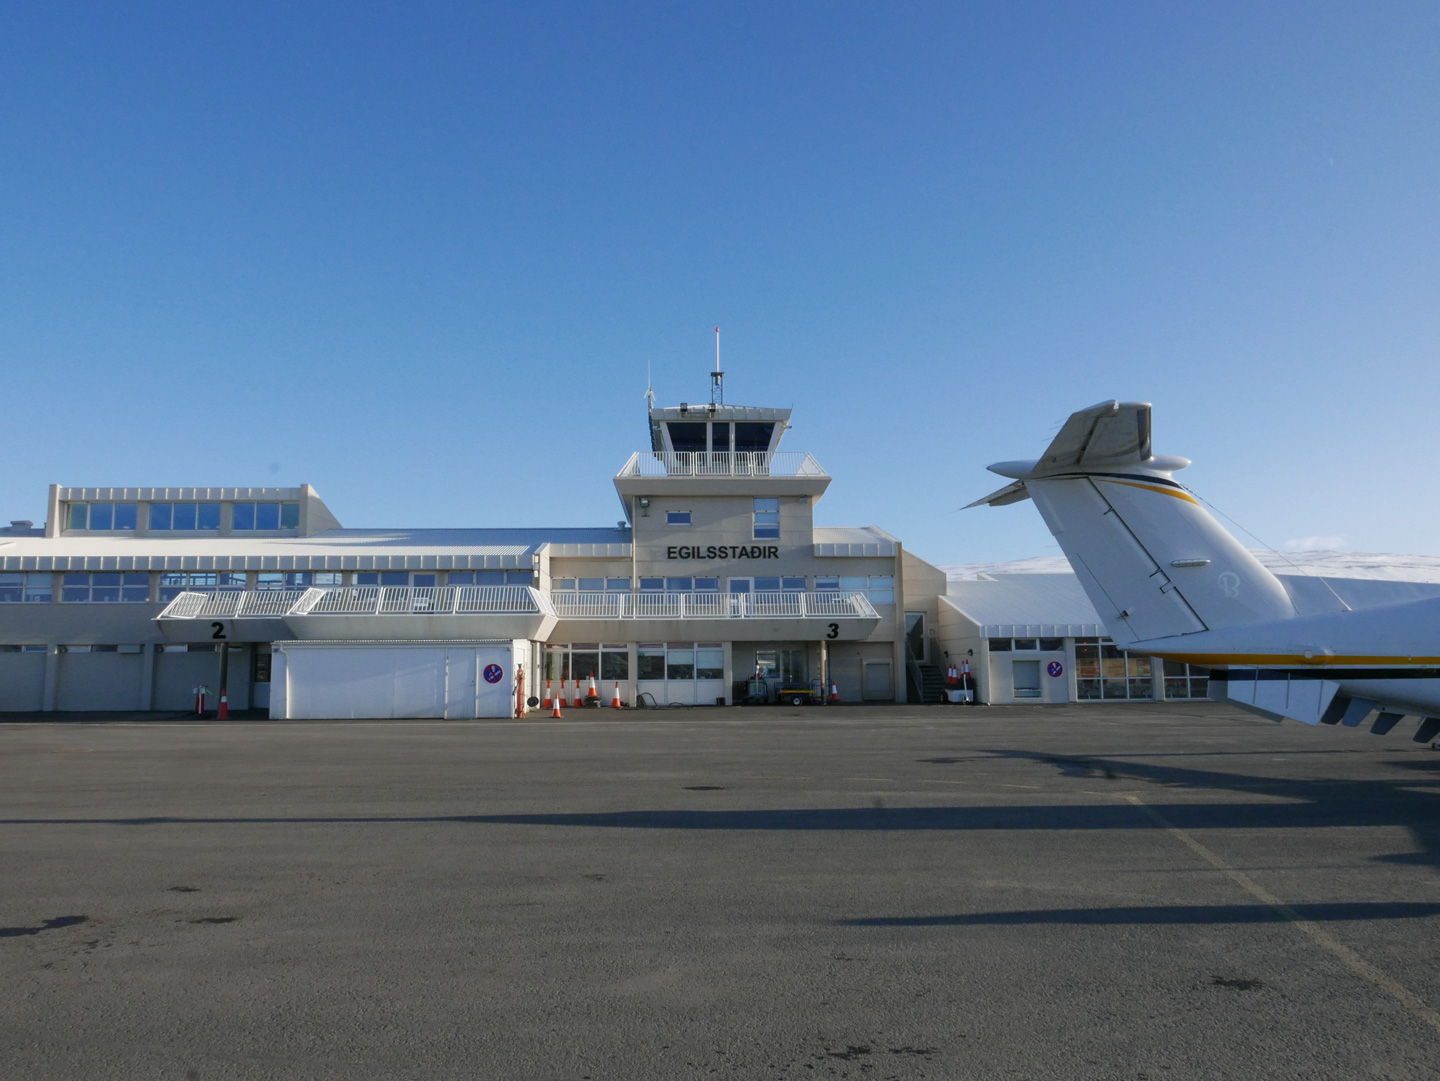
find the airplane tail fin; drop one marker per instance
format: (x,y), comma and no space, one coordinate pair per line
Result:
(1153,562)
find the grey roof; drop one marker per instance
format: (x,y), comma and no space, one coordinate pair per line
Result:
(1006,605)
(336,549)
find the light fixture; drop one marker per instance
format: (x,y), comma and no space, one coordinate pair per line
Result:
(644,502)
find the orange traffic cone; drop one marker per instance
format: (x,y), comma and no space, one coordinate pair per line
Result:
(615,702)
(834,692)
(546,704)
(555,706)
(592,695)
(579,703)
(223,714)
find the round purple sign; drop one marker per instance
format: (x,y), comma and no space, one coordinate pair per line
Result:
(1055,668)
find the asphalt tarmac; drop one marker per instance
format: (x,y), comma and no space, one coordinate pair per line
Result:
(1143,892)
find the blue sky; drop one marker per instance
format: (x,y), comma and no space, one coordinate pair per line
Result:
(421,254)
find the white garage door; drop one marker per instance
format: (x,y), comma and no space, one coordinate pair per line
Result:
(359,681)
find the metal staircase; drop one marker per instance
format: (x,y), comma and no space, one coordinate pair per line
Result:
(925,678)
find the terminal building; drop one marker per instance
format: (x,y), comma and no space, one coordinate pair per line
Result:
(719,587)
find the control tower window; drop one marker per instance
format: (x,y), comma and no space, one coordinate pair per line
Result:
(687,436)
(767,518)
(753,437)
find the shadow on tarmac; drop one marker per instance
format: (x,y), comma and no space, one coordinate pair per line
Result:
(1309,803)
(1382,808)
(1163,914)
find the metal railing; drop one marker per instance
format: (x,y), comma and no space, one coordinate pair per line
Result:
(426,600)
(740,463)
(234,604)
(711,605)
(362,601)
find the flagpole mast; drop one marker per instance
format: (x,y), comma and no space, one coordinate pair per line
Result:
(717,380)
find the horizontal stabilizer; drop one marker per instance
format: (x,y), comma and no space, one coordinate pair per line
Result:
(1104,436)
(1011,493)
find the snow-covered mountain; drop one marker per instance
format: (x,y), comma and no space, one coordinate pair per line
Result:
(1390,568)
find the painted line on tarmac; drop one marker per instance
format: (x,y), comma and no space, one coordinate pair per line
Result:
(1344,954)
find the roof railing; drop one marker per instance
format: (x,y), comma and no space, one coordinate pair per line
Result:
(362,601)
(740,463)
(832,604)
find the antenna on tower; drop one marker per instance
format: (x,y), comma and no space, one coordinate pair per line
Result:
(649,388)
(717,377)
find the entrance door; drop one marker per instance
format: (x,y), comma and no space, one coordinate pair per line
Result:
(877,686)
(739,586)
(460,690)
(260,676)
(915,635)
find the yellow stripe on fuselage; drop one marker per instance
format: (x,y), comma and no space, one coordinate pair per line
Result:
(1149,488)
(1217,660)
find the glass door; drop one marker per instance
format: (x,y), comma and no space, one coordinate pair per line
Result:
(738,588)
(915,635)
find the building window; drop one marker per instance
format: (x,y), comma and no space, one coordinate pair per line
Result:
(767,519)
(652,585)
(104,588)
(174,583)
(681,660)
(608,662)
(1104,672)
(29,588)
(879,588)
(1186,680)
(103,516)
(752,437)
(651,659)
(490,578)
(1031,645)
(294,580)
(22,649)
(169,516)
(417,579)
(247,516)
(677,517)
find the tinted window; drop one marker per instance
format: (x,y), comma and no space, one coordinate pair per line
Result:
(687,436)
(753,436)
